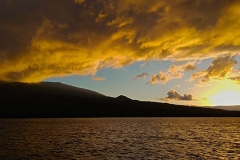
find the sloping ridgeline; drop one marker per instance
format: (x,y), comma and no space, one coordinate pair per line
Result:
(48,99)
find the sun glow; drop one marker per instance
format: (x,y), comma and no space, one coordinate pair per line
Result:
(223,93)
(226,98)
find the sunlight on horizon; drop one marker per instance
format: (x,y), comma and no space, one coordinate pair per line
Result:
(223,93)
(226,98)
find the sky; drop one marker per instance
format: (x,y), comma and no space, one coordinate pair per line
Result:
(172,51)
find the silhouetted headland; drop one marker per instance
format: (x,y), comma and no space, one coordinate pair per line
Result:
(52,100)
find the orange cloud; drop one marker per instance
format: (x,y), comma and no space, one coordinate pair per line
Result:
(174,72)
(221,68)
(143,75)
(42,39)
(98,78)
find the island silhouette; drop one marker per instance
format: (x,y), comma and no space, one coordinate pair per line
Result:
(57,100)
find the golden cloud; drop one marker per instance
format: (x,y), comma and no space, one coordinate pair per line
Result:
(174,72)
(42,39)
(98,78)
(143,75)
(174,95)
(221,68)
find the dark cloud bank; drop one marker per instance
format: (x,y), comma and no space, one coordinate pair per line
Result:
(42,38)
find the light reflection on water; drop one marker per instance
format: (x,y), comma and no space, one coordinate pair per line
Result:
(120,138)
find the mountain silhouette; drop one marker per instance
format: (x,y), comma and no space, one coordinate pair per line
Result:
(123,98)
(50,100)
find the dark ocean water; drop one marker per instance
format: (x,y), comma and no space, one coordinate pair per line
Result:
(120,138)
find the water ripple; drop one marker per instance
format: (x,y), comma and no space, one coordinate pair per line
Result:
(120,138)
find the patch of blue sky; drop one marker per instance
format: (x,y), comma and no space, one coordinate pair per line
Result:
(121,81)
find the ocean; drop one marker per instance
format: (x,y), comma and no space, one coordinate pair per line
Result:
(120,138)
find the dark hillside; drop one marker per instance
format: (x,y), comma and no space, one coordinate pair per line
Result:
(47,99)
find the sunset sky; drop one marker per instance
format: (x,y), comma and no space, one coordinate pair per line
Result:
(174,51)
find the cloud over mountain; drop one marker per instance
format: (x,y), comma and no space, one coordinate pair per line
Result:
(174,95)
(42,38)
